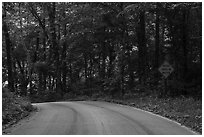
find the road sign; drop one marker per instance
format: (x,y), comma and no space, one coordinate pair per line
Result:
(166,69)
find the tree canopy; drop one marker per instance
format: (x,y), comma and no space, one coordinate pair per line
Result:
(111,48)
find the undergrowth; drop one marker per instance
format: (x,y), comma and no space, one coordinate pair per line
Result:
(14,108)
(185,110)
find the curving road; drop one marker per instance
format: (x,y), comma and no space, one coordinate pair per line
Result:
(93,117)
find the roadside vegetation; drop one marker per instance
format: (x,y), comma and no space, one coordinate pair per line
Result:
(185,110)
(110,51)
(14,108)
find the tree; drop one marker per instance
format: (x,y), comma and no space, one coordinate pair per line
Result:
(107,48)
(142,48)
(8,49)
(157,42)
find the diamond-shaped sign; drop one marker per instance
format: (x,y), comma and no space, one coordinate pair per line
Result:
(166,69)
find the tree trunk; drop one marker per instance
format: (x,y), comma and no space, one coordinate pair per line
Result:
(103,71)
(70,74)
(91,65)
(15,78)
(50,82)
(55,48)
(130,70)
(85,67)
(142,49)
(44,82)
(44,41)
(23,79)
(64,72)
(184,44)
(99,65)
(40,82)
(185,50)
(110,61)
(157,42)
(123,45)
(64,76)
(122,80)
(8,53)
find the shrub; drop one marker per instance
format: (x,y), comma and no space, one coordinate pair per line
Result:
(69,95)
(14,107)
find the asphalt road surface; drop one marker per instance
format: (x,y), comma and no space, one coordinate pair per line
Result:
(96,118)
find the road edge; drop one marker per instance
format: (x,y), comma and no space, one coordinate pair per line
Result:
(8,129)
(187,128)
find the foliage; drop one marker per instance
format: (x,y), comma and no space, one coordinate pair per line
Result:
(68,49)
(14,107)
(111,50)
(185,110)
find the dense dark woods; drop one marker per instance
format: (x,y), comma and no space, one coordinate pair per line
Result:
(111,51)
(52,51)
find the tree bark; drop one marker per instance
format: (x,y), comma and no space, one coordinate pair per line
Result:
(185,50)
(64,72)
(130,70)
(142,49)
(54,48)
(103,71)
(184,44)
(157,45)
(85,67)
(8,53)
(110,61)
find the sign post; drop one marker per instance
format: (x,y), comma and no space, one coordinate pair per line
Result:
(166,69)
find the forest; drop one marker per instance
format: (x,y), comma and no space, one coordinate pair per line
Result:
(54,51)
(63,49)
